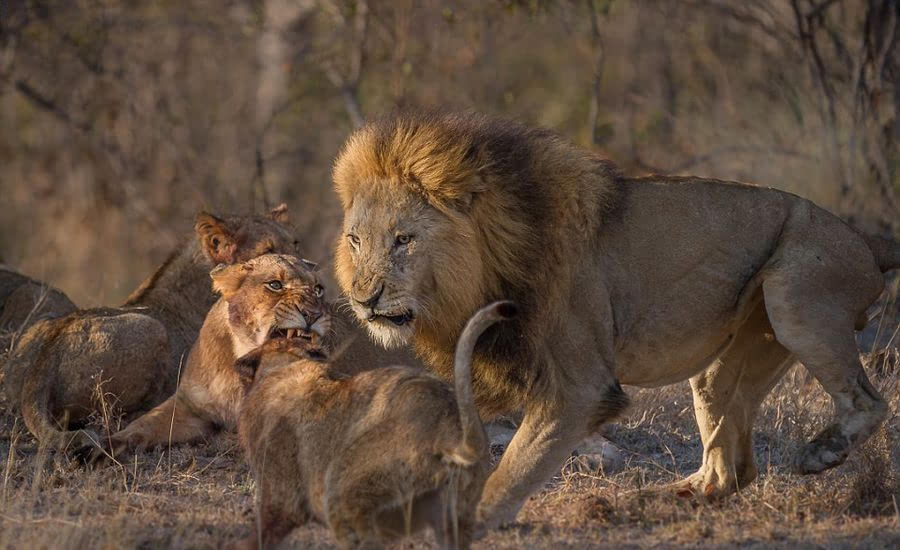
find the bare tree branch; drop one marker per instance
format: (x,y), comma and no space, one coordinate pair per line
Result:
(47,104)
(736,150)
(348,86)
(597,83)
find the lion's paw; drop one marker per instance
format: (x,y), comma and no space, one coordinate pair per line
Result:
(829,449)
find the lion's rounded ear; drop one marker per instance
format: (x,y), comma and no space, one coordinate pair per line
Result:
(468,194)
(216,239)
(280,213)
(464,202)
(227,279)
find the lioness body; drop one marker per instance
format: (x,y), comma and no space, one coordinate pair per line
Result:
(647,281)
(132,354)
(374,456)
(210,391)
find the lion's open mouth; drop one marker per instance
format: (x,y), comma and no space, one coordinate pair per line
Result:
(288,333)
(399,319)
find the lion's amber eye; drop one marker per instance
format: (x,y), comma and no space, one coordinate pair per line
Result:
(319,290)
(403,239)
(354,240)
(275,285)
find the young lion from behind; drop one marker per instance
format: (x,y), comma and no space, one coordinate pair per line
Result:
(387,452)
(269,297)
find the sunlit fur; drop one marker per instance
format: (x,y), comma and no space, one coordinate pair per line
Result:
(139,349)
(209,390)
(640,281)
(473,191)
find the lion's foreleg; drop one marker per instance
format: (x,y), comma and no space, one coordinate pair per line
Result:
(544,440)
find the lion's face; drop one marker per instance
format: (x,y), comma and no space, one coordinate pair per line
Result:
(397,259)
(272,296)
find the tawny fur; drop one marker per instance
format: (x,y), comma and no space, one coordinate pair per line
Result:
(374,456)
(132,353)
(248,313)
(645,281)
(25,301)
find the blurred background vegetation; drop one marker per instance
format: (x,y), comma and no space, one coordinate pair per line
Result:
(121,119)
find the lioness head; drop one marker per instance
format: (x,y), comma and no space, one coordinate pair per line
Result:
(235,239)
(272,296)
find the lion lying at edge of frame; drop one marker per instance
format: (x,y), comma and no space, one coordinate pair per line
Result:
(644,281)
(25,301)
(133,353)
(375,456)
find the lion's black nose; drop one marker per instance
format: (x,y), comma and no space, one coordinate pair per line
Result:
(311,317)
(373,299)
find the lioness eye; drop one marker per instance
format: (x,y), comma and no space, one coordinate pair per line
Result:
(403,239)
(319,290)
(354,240)
(275,285)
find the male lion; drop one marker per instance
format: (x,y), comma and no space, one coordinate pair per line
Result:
(133,352)
(644,281)
(375,456)
(269,297)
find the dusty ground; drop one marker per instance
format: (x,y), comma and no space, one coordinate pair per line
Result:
(201,496)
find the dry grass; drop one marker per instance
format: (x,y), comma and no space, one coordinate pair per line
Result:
(202,496)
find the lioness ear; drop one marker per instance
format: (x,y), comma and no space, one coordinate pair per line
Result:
(227,279)
(280,213)
(215,238)
(246,367)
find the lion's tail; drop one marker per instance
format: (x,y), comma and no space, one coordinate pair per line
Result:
(35,407)
(474,438)
(886,252)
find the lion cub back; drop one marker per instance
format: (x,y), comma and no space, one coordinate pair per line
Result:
(351,447)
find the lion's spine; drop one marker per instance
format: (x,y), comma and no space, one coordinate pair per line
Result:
(474,438)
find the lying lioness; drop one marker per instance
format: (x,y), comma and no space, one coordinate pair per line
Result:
(131,354)
(270,297)
(387,452)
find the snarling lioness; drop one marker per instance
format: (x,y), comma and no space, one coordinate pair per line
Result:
(388,452)
(131,355)
(270,297)
(643,281)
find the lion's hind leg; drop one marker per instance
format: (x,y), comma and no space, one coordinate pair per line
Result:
(727,397)
(813,308)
